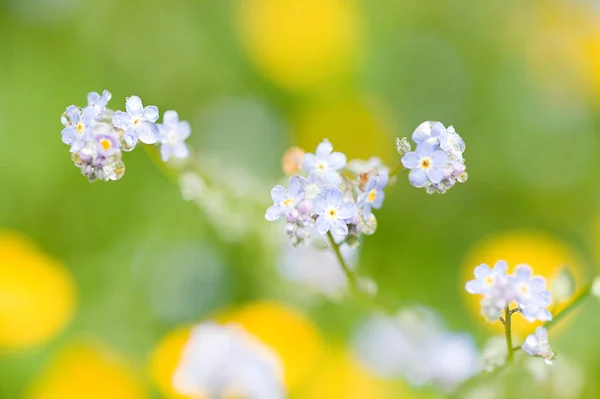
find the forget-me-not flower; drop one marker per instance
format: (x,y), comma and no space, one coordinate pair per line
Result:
(485,278)
(78,126)
(426,164)
(537,344)
(374,194)
(98,102)
(173,134)
(531,294)
(285,201)
(325,163)
(138,122)
(334,213)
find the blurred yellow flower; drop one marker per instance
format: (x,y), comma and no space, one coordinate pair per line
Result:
(291,335)
(301,44)
(340,376)
(37,294)
(89,371)
(356,126)
(545,254)
(164,361)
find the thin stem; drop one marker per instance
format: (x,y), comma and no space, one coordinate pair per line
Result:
(570,307)
(508,333)
(397,169)
(336,248)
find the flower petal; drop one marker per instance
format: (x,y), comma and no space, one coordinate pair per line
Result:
(151,113)
(134,106)
(278,194)
(339,227)
(170,118)
(122,120)
(439,158)
(309,163)
(410,160)
(184,130)
(417,177)
(319,205)
(436,175)
(333,196)
(68,135)
(322,225)
(347,210)
(337,160)
(273,213)
(324,149)
(147,132)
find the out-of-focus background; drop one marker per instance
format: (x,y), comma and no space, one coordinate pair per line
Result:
(97,281)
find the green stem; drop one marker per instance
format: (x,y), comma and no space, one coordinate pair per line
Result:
(570,307)
(336,248)
(397,169)
(508,333)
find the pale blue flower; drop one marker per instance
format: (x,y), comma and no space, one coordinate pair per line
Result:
(325,164)
(531,294)
(426,164)
(485,278)
(285,201)
(429,132)
(138,122)
(78,126)
(98,102)
(173,134)
(374,194)
(334,213)
(537,344)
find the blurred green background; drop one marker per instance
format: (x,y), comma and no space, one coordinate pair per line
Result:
(520,81)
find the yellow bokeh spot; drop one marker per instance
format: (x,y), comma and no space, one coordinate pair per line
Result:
(356,126)
(301,44)
(288,333)
(37,294)
(291,335)
(165,359)
(87,371)
(340,376)
(546,255)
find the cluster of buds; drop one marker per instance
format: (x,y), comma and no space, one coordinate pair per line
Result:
(333,196)
(97,136)
(437,163)
(520,292)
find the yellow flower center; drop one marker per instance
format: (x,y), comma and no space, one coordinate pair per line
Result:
(321,166)
(372,195)
(524,289)
(489,280)
(106,144)
(332,212)
(425,163)
(288,202)
(80,128)
(137,121)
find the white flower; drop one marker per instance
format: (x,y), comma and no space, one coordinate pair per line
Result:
(334,212)
(172,136)
(325,163)
(223,360)
(138,122)
(537,344)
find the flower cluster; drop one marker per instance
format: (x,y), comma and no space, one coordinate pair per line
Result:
(97,136)
(437,163)
(334,196)
(221,361)
(414,346)
(527,292)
